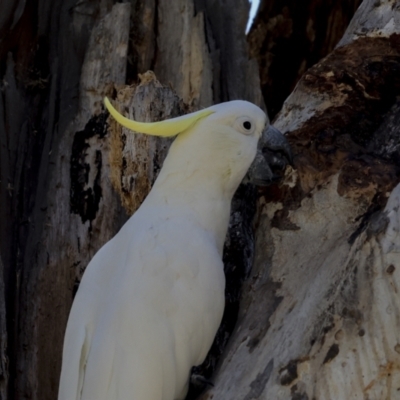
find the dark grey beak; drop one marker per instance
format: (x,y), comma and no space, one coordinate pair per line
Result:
(272,157)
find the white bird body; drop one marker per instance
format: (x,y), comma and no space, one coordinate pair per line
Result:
(151,300)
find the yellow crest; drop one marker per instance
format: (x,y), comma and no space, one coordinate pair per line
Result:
(167,128)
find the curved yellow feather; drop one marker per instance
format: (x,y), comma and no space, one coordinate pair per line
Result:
(167,128)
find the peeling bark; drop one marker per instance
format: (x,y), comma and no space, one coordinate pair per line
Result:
(136,159)
(351,92)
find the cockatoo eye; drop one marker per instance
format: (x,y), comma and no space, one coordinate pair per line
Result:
(244,125)
(247,125)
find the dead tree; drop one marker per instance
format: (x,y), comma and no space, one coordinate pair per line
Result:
(318,315)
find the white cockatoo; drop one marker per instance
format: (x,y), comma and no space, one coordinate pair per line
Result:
(152,298)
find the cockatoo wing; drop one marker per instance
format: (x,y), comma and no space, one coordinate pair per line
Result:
(163,295)
(81,323)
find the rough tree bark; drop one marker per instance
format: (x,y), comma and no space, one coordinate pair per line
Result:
(324,265)
(320,312)
(289,36)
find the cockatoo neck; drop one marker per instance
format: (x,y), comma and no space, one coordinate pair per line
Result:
(197,197)
(193,186)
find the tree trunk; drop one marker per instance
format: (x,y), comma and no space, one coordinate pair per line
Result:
(322,252)
(320,311)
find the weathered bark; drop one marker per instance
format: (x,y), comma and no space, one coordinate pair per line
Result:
(320,312)
(288,37)
(73,216)
(70,178)
(41,51)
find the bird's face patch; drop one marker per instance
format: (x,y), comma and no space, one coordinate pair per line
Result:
(245,125)
(225,142)
(244,117)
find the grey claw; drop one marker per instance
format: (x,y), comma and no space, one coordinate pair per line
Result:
(200,380)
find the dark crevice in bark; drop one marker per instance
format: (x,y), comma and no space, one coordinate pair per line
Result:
(385,140)
(288,37)
(142,51)
(84,198)
(228,38)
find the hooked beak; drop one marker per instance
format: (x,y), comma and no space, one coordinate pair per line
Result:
(273,155)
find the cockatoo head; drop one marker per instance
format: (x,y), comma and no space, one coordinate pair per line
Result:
(220,142)
(225,141)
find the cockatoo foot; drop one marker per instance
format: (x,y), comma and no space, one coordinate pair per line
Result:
(200,381)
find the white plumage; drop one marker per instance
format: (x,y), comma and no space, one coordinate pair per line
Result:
(151,300)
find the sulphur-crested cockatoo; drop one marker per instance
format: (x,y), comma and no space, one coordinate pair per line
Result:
(151,300)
